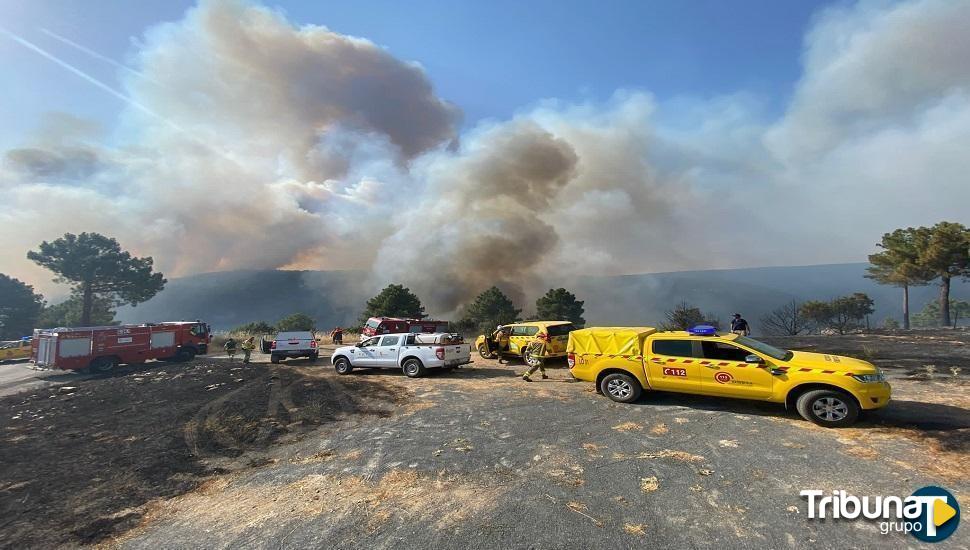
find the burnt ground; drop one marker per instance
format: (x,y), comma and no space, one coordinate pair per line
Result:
(472,458)
(80,461)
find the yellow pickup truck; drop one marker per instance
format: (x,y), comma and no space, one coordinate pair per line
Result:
(15,350)
(829,390)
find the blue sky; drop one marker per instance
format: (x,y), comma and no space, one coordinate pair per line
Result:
(489,58)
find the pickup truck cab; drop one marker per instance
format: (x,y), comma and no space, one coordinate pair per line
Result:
(299,343)
(829,390)
(412,353)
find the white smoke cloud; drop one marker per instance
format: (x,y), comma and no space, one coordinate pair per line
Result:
(272,145)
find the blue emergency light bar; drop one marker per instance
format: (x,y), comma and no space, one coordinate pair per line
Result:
(702,330)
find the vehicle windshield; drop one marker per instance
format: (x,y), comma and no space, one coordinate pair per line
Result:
(771,351)
(373,323)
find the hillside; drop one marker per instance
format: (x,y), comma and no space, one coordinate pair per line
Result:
(228,299)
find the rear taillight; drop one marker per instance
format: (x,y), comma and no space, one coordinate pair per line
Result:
(571,359)
(272,345)
(313,343)
(440,353)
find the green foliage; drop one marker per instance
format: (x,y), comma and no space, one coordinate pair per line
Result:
(296,321)
(890,324)
(394,301)
(840,314)
(930,316)
(19,308)
(944,250)
(255,328)
(686,316)
(69,313)
(560,305)
(96,267)
(489,309)
(899,264)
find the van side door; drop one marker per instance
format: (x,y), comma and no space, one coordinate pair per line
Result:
(520,337)
(672,364)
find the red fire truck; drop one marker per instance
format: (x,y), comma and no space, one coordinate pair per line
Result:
(100,349)
(395,325)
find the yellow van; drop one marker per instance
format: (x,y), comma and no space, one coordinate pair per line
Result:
(554,333)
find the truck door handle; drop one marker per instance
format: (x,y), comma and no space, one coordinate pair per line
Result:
(392,349)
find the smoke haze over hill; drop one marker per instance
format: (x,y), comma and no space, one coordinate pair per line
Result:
(253,143)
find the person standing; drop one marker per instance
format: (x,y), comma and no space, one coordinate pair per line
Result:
(536,349)
(248,345)
(739,325)
(501,338)
(337,336)
(230,347)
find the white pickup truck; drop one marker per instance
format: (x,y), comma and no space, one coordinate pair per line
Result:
(412,353)
(293,344)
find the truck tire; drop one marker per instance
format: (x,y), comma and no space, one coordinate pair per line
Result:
(829,408)
(103,365)
(413,368)
(621,387)
(313,357)
(184,355)
(274,359)
(342,366)
(483,351)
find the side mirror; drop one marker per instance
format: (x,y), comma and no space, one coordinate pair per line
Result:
(754,359)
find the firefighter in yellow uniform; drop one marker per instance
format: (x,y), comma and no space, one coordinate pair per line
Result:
(501,339)
(537,348)
(248,345)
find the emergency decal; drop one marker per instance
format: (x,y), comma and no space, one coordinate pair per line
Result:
(723,377)
(668,371)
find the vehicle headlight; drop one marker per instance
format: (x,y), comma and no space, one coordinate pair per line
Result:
(870,378)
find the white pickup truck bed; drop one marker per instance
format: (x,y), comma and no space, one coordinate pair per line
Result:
(413,353)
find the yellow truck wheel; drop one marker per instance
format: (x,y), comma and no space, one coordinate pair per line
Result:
(621,387)
(483,351)
(828,408)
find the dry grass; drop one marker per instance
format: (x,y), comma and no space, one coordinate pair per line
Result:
(659,429)
(232,508)
(649,484)
(628,427)
(637,529)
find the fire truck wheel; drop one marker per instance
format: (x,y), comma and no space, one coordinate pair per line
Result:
(102,365)
(184,355)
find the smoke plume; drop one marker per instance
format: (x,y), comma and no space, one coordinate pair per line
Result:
(254,143)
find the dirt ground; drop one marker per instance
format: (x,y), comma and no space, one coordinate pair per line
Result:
(216,454)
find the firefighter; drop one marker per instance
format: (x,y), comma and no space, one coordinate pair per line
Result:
(739,325)
(501,339)
(230,347)
(537,348)
(337,336)
(248,345)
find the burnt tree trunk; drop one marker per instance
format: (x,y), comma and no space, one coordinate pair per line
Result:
(906,307)
(945,300)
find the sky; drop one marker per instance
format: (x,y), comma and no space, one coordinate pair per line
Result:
(491,58)
(452,146)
